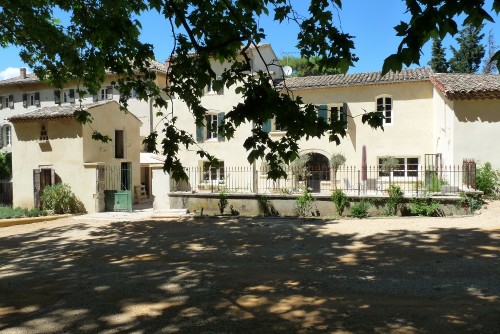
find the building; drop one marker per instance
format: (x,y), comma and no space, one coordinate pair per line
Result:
(51,147)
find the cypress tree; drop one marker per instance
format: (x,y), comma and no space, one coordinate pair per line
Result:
(438,62)
(467,59)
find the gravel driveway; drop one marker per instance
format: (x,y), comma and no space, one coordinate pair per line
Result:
(252,275)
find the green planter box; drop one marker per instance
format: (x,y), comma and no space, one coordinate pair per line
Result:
(118,200)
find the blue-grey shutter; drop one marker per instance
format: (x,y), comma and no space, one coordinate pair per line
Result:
(323,112)
(343,115)
(71,96)
(95,98)
(266,126)
(25,100)
(11,101)
(37,99)
(1,137)
(199,134)
(220,121)
(57,97)
(1,102)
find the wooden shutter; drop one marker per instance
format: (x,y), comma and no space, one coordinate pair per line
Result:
(1,136)
(71,96)
(25,100)
(1,102)
(266,126)
(220,121)
(11,101)
(36,187)
(199,133)
(37,99)
(343,115)
(57,97)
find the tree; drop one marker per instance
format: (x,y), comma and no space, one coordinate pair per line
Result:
(467,58)
(303,67)
(102,36)
(5,166)
(336,161)
(490,66)
(438,62)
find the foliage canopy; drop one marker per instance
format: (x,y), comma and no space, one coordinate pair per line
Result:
(102,36)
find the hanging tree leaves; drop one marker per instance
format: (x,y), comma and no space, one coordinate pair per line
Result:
(103,35)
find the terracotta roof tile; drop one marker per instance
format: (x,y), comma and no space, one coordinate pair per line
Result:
(468,86)
(54,112)
(370,78)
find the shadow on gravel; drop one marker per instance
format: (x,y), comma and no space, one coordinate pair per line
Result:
(249,276)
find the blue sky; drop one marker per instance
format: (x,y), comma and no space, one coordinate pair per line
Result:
(371,22)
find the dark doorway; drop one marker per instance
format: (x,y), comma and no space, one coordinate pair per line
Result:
(318,168)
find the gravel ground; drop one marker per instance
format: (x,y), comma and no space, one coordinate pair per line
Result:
(252,275)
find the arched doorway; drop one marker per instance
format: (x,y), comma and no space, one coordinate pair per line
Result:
(318,167)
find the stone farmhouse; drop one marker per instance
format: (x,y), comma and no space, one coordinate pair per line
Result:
(431,120)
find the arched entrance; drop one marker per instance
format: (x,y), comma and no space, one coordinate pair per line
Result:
(318,167)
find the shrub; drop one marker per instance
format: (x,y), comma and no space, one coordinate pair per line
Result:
(424,207)
(223,202)
(395,199)
(487,179)
(473,202)
(434,183)
(360,209)
(340,200)
(304,203)
(60,199)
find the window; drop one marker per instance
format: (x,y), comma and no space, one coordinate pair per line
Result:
(5,135)
(384,104)
(407,167)
(210,130)
(271,125)
(333,112)
(8,102)
(211,174)
(215,87)
(69,96)
(107,93)
(119,144)
(44,136)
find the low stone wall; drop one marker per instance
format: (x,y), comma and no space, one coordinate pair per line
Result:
(284,205)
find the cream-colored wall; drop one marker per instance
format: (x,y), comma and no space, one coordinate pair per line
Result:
(477,131)
(62,152)
(70,147)
(107,119)
(443,131)
(410,134)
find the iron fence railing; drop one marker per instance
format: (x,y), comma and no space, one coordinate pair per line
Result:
(414,181)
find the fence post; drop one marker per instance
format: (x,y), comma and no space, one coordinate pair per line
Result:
(255,188)
(359,188)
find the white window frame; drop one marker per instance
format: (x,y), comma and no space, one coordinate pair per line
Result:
(383,108)
(211,134)
(404,173)
(7,133)
(212,175)
(67,96)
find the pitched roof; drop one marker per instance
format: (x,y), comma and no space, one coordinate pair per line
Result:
(370,78)
(154,65)
(55,112)
(468,86)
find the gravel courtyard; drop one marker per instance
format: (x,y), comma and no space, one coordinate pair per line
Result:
(252,275)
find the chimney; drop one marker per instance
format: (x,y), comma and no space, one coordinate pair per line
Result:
(23,72)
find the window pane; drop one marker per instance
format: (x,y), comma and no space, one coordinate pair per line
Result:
(380,101)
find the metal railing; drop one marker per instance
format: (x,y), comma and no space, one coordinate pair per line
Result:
(418,181)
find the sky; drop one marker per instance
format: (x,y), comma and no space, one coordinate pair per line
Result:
(371,22)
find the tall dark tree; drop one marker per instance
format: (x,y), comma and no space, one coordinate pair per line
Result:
(438,62)
(99,36)
(490,65)
(467,58)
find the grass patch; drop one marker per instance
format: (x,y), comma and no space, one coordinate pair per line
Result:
(8,212)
